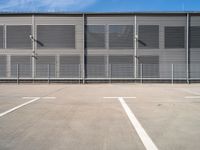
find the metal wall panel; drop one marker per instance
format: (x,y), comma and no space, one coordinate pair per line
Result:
(55,36)
(1,37)
(195,47)
(195,37)
(121,66)
(3,69)
(96,67)
(21,66)
(148,36)
(45,67)
(174,37)
(18,36)
(95,36)
(70,67)
(120,37)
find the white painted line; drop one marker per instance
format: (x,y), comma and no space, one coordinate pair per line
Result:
(193,97)
(48,97)
(118,97)
(146,140)
(19,106)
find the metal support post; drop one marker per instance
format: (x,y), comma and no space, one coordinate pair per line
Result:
(172,74)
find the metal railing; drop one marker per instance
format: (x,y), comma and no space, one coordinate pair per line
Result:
(110,72)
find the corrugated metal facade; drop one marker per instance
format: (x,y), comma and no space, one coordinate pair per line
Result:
(100,46)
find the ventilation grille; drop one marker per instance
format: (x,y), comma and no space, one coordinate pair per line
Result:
(2,66)
(95,36)
(21,66)
(195,37)
(121,66)
(18,37)
(70,67)
(1,37)
(120,36)
(95,67)
(174,37)
(45,67)
(55,36)
(148,36)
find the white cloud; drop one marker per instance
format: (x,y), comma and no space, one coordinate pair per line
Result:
(44,5)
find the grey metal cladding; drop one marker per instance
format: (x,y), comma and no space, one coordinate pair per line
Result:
(95,66)
(121,36)
(18,36)
(95,36)
(24,66)
(3,65)
(45,67)
(148,36)
(174,37)
(195,37)
(1,37)
(121,66)
(70,66)
(55,36)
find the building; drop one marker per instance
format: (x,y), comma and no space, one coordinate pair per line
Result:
(162,46)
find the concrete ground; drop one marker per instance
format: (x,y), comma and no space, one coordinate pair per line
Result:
(78,117)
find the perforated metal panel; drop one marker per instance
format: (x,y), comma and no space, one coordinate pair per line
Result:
(1,37)
(195,37)
(18,37)
(174,37)
(121,66)
(24,66)
(95,36)
(148,36)
(55,36)
(121,36)
(95,67)
(45,67)
(3,66)
(70,67)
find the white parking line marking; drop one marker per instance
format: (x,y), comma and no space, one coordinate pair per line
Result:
(193,97)
(118,97)
(19,106)
(48,97)
(146,140)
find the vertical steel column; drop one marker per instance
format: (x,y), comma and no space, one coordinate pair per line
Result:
(135,47)
(83,54)
(33,47)
(188,48)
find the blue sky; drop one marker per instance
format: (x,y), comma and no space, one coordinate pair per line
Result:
(98,5)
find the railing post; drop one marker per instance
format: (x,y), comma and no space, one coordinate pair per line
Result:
(79,72)
(141,73)
(17,73)
(172,74)
(110,73)
(48,73)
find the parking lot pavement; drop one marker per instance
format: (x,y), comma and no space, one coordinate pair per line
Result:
(78,117)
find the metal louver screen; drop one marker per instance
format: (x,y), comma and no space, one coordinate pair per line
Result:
(95,36)
(55,36)
(148,66)
(45,67)
(195,37)
(120,36)
(70,67)
(3,66)
(1,37)
(121,66)
(21,65)
(174,37)
(148,36)
(95,67)
(18,37)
